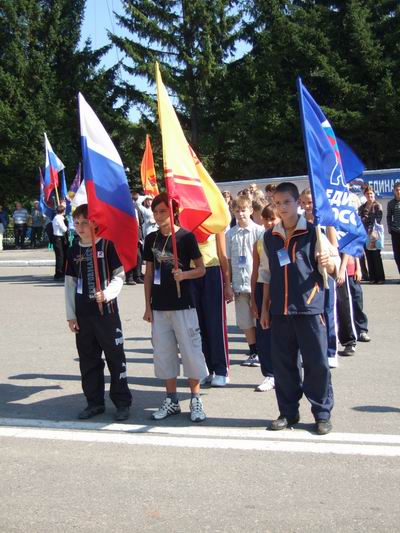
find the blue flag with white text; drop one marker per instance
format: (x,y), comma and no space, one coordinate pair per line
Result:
(330,192)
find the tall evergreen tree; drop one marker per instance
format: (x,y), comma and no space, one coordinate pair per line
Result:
(41,72)
(191,39)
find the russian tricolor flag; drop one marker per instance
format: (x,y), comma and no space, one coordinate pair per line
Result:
(109,199)
(53,166)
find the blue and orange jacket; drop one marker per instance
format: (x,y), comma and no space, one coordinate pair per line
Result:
(296,288)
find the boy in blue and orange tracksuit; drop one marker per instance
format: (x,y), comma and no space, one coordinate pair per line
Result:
(296,304)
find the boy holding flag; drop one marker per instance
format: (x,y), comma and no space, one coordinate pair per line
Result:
(297,305)
(96,331)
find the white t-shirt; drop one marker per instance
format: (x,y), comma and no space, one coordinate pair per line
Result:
(59,227)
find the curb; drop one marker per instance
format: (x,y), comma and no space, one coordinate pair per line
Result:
(27,263)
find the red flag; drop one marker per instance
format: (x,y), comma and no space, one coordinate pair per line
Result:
(181,176)
(147,171)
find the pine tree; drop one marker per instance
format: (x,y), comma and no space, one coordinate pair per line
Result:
(41,72)
(191,40)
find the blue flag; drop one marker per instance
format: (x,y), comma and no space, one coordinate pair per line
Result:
(45,207)
(353,167)
(330,192)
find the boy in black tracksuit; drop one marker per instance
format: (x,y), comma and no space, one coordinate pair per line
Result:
(96,332)
(296,304)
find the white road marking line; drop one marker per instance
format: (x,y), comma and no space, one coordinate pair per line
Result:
(201,442)
(203,437)
(203,431)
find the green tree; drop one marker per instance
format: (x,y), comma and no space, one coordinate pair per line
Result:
(41,72)
(192,41)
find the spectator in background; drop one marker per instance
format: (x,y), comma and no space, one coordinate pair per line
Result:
(393,222)
(269,193)
(60,242)
(371,214)
(20,217)
(37,225)
(134,276)
(252,189)
(149,224)
(228,199)
(3,224)
(258,206)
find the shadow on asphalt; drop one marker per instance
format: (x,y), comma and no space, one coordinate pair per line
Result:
(376,409)
(42,281)
(132,380)
(66,408)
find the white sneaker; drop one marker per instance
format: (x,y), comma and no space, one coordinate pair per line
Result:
(168,408)
(267,385)
(196,410)
(333,362)
(219,381)
(252,360)
(208,379)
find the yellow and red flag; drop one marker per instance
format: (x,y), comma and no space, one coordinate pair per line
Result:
(148,172)
(200,201)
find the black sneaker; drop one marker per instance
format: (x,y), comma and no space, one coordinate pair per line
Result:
(350,349)
(122,413)
(283,422)
(90,412)
(323,427)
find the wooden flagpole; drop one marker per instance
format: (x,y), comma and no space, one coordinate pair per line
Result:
(173,236)
(95,265)
(319,249)
(57,196)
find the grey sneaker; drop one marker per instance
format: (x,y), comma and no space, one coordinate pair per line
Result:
(252,360)
(197,413)
(364,337)
(168,408)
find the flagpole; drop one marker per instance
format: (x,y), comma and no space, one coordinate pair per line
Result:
(95,264)
(57,196)
(173,236)
(311,181)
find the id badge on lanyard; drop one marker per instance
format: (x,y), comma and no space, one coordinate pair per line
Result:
(283,257)
(79,286)
(242,256)
(157,274)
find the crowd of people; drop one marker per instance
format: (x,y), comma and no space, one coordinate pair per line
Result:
(293,301)
(26,224)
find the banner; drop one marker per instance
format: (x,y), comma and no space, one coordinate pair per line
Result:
(331,195)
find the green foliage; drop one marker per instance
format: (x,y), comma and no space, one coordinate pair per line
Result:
(241,115)
(41,72)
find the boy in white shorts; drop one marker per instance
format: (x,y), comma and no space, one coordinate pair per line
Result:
(240,241)
(175,326)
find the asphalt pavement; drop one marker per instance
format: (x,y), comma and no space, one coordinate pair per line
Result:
(227,474)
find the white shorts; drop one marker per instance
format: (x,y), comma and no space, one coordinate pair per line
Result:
(174,331)
(244,316)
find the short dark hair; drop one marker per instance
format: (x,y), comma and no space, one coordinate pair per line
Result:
(162,198)
(287,186)
(270,187)
(269,212)
(60,209)
(397,184)
(81,211)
